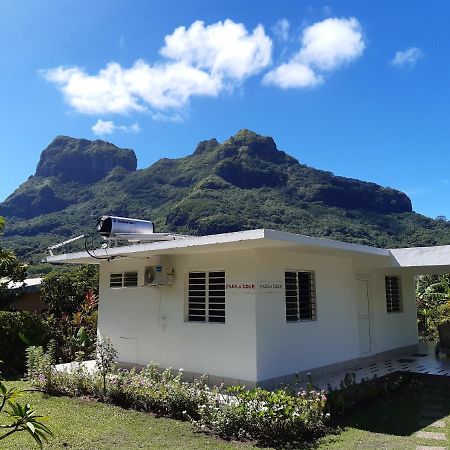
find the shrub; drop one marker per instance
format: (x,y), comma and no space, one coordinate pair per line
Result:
(17,331)
(351,394)
(75,334)
(275,418)
(20,417)
(64,292)
(271,418)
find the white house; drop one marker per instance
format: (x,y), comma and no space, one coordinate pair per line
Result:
(256,307)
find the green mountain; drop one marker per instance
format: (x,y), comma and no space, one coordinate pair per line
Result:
(242,183)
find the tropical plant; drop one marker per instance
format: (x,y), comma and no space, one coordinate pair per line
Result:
(106,358)
(433,304)
(75,334)
(21,417)
(64,292)
(11,270)
(18,330)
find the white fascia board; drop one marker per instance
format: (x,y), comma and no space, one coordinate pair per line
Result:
(269,237)
(197,241)
(426,257)
(331,244)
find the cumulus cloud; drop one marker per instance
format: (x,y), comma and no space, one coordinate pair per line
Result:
(325,47)
(197,61)
(104,127)
(281,29)
(224,49)
(293,75)
(407,57)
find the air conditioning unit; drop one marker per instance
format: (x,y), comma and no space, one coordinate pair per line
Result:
(158,276)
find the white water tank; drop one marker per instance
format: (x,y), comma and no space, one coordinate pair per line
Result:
(110,226)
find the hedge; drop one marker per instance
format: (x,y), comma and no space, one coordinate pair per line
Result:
(18,330)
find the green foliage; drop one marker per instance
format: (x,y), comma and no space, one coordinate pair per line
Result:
(40,363)
(106,358)
(17,331)
(21,417)
(243,183)
(64,292)
(75,334)
(274,418)
(270,418)
(351,394)
(11,269)
(433,304)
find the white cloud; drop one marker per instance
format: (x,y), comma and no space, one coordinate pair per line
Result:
(331,43)
(292,75)
(407,57)
(281,29)
(325,46)
(104,127)
(224,49)
(198,61)
(160,117)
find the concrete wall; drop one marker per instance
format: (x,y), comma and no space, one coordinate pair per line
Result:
(255,343)
(392,330)
(148,324)
(285,348)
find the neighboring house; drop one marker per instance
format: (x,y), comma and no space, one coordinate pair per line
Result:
(29,298)
(256,307)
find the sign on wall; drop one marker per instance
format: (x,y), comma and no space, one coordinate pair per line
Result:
(248,287)
(270,287)
(244,287)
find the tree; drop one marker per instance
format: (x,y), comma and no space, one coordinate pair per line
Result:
(11,269)
(433,297)
(64,292)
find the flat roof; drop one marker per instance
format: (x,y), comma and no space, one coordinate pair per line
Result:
(260,238)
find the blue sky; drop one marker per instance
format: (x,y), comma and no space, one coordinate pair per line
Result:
(357,88)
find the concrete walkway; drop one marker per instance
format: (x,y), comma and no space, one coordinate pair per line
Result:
(423,361)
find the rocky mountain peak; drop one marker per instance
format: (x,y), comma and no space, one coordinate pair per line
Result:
(83,160)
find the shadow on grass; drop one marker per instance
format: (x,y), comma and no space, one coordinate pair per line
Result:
(403,413)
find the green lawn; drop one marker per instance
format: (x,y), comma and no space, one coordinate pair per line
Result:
(390,424)
(88,425)
(84,424)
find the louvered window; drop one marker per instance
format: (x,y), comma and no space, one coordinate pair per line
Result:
(393,294)
(300,291)
(127,279)
(206,297)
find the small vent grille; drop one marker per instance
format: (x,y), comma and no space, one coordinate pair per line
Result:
(116,280)
(130,279)
(127,279)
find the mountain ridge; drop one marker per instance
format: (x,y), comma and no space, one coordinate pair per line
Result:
(242,183)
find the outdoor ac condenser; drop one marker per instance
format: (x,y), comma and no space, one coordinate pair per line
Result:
(158,276)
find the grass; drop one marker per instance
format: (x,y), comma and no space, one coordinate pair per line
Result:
(82,424)
(391,423)
(85,424)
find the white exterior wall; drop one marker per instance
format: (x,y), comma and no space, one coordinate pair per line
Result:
(153,319)
(255,343)
(392,330)
(284,347)
(288,347)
